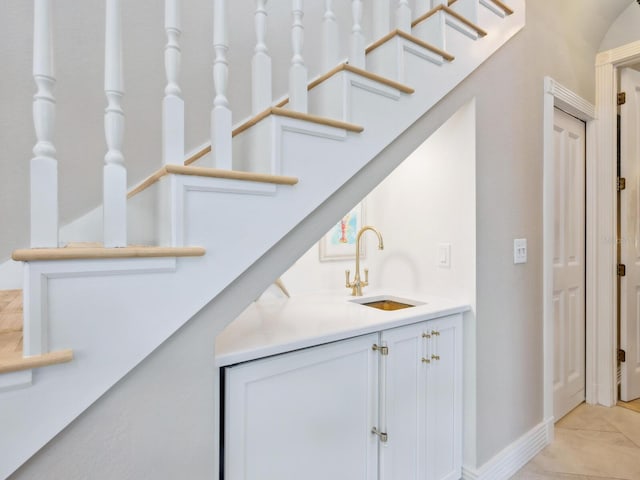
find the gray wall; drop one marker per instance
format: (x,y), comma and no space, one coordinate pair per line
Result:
(157,422)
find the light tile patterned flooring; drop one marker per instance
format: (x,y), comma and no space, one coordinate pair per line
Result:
(10,322)
(591,443)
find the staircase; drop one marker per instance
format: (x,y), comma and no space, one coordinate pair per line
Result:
(216,214)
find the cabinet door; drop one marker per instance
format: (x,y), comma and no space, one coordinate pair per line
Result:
(403,401)
(444,398)
(304,415)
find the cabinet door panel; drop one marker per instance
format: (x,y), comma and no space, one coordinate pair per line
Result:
(400,457)
(304,415)
(444,400)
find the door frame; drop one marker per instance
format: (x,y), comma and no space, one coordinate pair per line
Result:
(556,95)
(605,198)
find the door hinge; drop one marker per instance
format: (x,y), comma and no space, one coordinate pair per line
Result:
(382,435)
(622,98)
(621,270)
(382,349)
(622,355)
(621,183)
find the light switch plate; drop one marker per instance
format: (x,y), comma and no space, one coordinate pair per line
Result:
(443,259)
(519,250)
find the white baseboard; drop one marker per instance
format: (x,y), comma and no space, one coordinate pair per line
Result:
(512,458)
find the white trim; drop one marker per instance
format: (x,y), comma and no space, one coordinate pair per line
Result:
(556,95)
(515,456)
(604,221)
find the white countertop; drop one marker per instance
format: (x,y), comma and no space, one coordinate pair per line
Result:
(272,326)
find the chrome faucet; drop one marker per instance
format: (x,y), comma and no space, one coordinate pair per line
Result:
(356,286)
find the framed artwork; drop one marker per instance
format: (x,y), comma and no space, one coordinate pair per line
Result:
(340,242)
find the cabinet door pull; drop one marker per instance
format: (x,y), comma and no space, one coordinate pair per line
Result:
(426,360)
(435,357)
(382,435)
(426,335)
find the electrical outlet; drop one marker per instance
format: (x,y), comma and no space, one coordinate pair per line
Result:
(443,259)
(519,250)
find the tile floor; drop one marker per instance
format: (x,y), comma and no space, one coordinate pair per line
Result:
(591,443)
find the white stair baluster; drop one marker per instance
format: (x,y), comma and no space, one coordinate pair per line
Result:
(422,6)
(298,70)
(221,113)
(44,166)
(115,173)
(380,12)
(403,16)
(330,38)
(173,104)
(261,63)
(357,54)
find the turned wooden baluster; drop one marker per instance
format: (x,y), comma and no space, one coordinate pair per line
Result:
(403,16)
(44,166)
(173,103)
(330,38)
(423,6)
(115,173)
(380,12)
(261,63)
(357,54)
(298,70)
(221,113)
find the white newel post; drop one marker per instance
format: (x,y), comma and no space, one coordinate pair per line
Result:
(115,173)
(380,13)
(357,54)
(261,63)
(221,113)
(403,16)
(330,38)
(172,104)
(298,70)
(44,166)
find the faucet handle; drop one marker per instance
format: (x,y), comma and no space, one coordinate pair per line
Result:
(347,274)
(366,277)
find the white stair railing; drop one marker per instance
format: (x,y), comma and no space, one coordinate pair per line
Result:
(44,166)
(115,173)
(173,103)
(298,98)
(357,54)
(380,12)
(403,16)
(221,127)
(261,63)
(330,37)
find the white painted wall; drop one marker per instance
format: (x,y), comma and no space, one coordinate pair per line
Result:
(429,199)
(625,29)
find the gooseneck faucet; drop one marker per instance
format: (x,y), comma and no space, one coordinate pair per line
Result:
(356,286)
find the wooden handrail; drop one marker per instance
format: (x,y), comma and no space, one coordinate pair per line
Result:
(447,56)
(82,253)
(16,362)
(454,14)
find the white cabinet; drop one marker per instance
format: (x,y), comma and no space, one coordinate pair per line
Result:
(303,415)
(422,396)
(309,414)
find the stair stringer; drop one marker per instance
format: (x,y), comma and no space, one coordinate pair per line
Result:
(114,320)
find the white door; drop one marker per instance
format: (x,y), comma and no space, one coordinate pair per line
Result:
(304,415)
(630,232)
(568,263)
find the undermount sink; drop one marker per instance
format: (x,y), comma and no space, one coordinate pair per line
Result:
(386,303)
